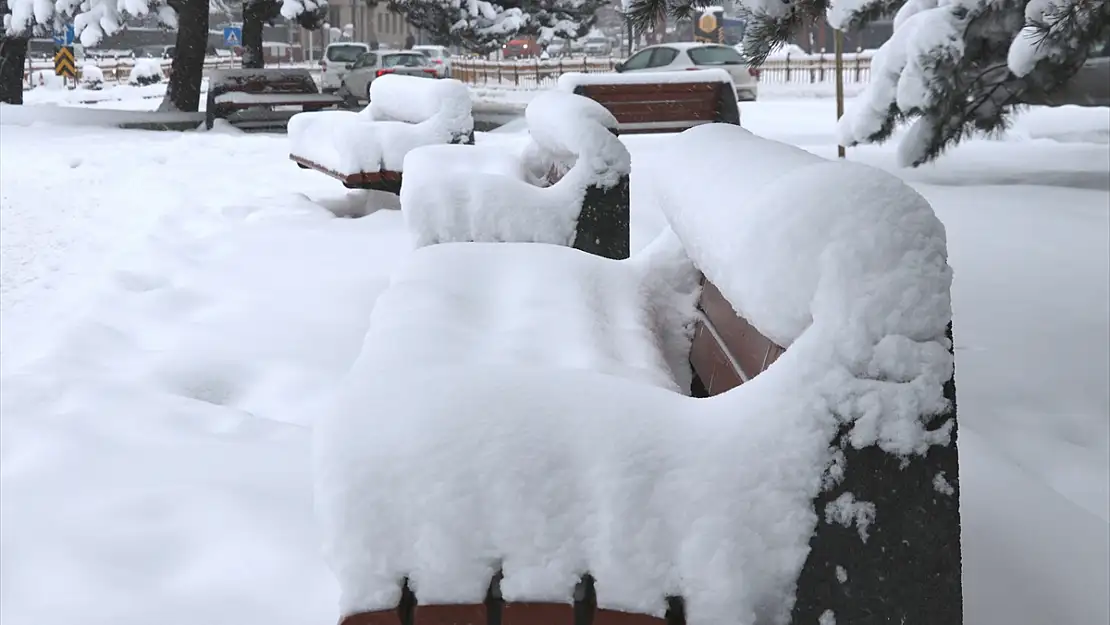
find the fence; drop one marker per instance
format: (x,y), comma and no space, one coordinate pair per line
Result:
(116,70)
(809,69)
(800,70)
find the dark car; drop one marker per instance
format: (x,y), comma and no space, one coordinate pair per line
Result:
(1090,86)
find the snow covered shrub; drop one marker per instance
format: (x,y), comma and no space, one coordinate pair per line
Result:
(92,77)
(145,72)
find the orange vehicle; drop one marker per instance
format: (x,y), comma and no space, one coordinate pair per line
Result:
(520,48)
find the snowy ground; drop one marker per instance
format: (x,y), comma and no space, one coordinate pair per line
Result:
(173,303)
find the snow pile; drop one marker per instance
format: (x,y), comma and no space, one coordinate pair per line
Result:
(47,79)
(444,200)
(92,77)
(557,292)
(571,80)
(145,72)
(405,112)
(532,451)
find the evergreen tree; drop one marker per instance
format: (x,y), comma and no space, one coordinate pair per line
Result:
(952,68)
(483,25)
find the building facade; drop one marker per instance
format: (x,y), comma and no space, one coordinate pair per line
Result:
(354,20)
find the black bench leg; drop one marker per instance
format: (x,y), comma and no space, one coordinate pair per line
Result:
(603,223)
(909,569)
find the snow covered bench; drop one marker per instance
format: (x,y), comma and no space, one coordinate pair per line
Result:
(570,186)
(660,101)
(247,97)
(514,445)
(366,150)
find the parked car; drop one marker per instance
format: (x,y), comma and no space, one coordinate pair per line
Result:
(440,58)
(520,48)
(679,57)
(337,56)
(371,65)
(557,48)
(597,46)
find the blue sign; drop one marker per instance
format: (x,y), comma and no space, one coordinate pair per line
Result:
(66,38)
(233,36)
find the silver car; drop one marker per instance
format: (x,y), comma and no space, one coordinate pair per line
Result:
(370,65)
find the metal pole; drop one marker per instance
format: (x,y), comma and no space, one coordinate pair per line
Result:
(838,38)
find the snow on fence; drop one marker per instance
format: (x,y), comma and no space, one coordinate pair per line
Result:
(808,69)
(114,70)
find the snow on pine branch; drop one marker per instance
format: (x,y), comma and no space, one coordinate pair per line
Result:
(1053,28)
(93,20)
(482,25)
(291,9)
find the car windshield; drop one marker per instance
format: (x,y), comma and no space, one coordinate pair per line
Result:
(715,55)
(344,54)
(412,59)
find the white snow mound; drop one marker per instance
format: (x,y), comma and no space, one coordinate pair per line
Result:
(406,112)
(476,193)
(511,407)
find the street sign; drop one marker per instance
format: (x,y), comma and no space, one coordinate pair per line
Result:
(66,38)
(63,62)
(233,36)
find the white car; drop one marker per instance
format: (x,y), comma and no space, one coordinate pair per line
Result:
(337,57)
(679,57)
(440,58)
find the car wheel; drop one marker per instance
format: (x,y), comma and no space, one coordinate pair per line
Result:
(368,90)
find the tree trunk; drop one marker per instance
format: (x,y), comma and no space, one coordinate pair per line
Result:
(254,16)
(13,56)
(187,70)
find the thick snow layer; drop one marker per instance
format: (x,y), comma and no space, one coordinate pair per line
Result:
(570,80)
(445,200)
(414,100)
(149,533)
(862,285)
(145,71)
(91,76)
(591,457)
(405,113)
(811,238)
(277,99)
(570,310)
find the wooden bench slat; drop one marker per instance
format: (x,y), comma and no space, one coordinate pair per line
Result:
(381,180)
(474,614)
(653,113)
(752,351)
(537,614)
(610,98)
(711,364)
(652,89)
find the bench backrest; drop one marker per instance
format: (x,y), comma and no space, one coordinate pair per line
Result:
(662,102)
(261,81)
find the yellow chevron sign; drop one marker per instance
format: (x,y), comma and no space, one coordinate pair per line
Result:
(63,62)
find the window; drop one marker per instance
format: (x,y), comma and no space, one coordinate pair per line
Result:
(333,16)
(381,22)
(662,56)
(344,54)
(369,59)
(715,55)
(408,59)
(638,60)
